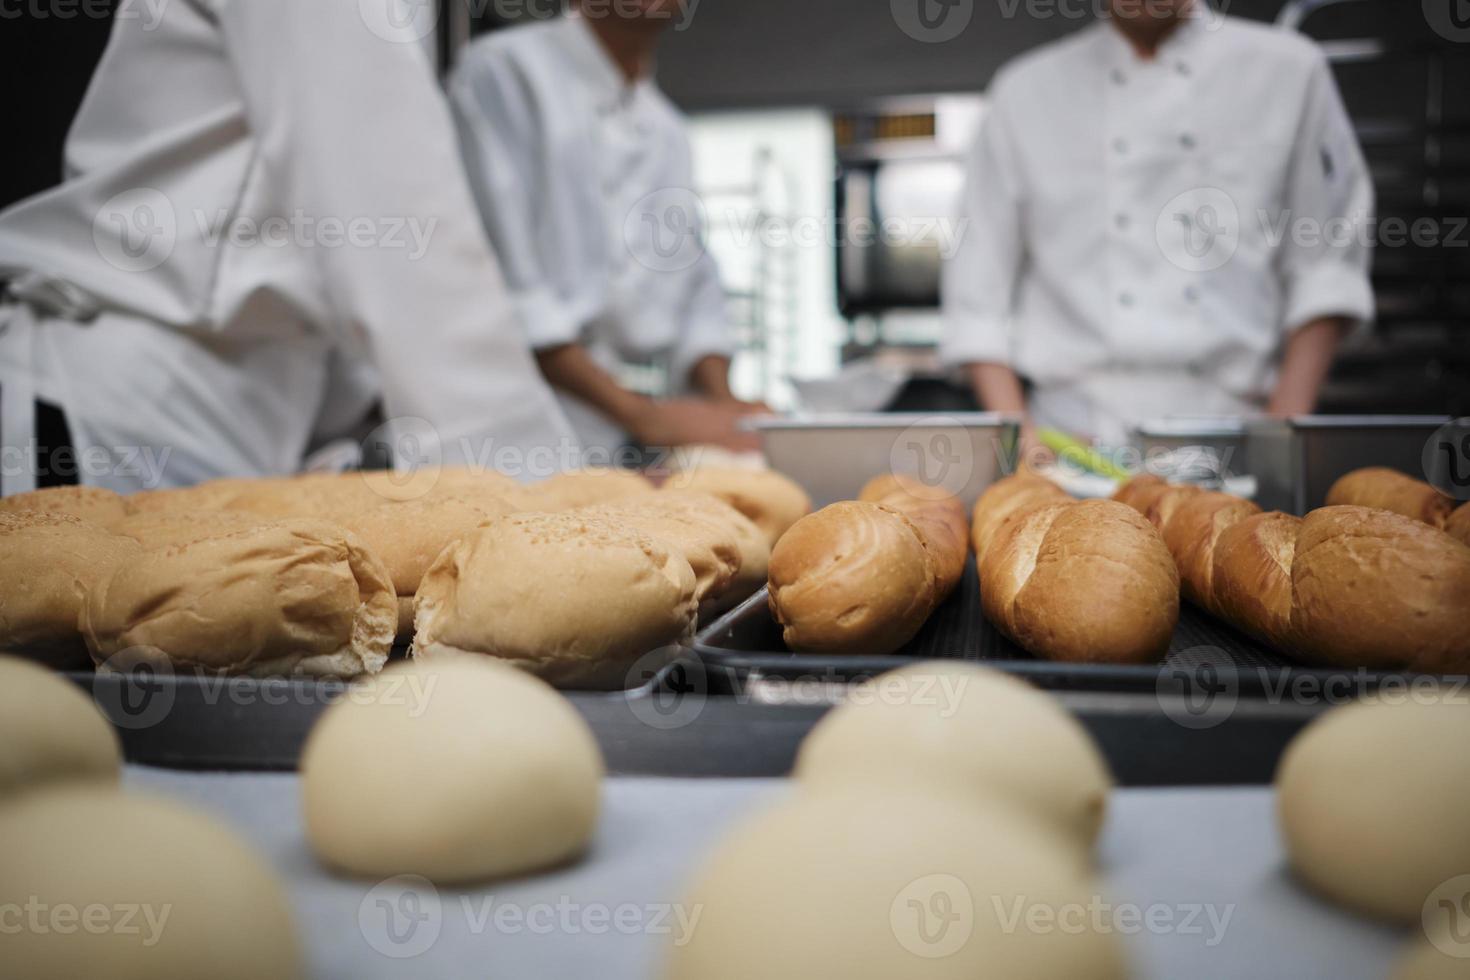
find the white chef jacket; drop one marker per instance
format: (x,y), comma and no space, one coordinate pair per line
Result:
(569,163)
(1125,249)
(244,183)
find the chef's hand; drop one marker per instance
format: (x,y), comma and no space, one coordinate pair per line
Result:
(694,421)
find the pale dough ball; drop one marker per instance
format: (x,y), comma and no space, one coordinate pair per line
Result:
(459,769)
(50,731)
(135,888)
(1374,803)
(968,730)
(873,886)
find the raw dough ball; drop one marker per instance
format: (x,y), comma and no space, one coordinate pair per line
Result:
(867,885)
(136,888)
(958,728)
(50,731)
(1374,803)
(460,769)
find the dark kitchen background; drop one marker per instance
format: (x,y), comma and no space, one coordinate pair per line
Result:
(1404,84)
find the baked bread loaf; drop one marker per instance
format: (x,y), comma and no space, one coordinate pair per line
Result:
(91,504)
(1458,525)
(754,549)
(1388,489)
(1252,577)
(1376,589)
(1004,499)
(170,528)
(574,600)
(939,519)
(772,501)
(210,495)
(854,577)
(584,488)
(709,546)
(51,562)
(289,597)
(1194,525)
(1086,581)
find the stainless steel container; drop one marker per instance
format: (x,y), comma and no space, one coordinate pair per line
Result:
(1330,446)
(832,456)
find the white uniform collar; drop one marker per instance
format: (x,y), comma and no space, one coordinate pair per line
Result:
(592,61)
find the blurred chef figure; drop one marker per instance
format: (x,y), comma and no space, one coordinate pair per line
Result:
(582,170)
(261,196)
(1164,218)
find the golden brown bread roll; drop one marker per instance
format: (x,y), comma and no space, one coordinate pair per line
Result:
(1191,533)
(772,501)
(50,562)
(289,597)
(210,495)
(170,528)
(937,515)
(1141,491)
(1008,498)
(1458,525)
(1391,490)
(710,547)
(584,488)
(91,504)
(854,577)
(1377,589)
(1087,581)
(1252,576)
(755,550)
(575,600)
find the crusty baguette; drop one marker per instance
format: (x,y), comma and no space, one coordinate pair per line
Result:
(1458,526)
(1006,499)
(1347,586)
(937,516)
(1087,581)
(1391,490)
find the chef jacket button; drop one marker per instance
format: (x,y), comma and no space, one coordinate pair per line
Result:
(1191,295)
(1196,370)
(1125,299)
(1183,69)
(1120,145)
(1122,221)
(1118,77)
(1187,141)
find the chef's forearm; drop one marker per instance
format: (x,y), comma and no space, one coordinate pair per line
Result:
(1304,366)
(570,368)
(711,377)
(998,387)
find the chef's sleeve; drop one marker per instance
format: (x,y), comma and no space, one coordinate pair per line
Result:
(345,113)
(978,282)
(496,120)
(705,331)
(1325,258)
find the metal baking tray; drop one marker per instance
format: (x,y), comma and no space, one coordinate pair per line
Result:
(833,456)
(680,724)
(1207,657)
